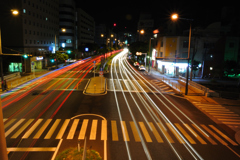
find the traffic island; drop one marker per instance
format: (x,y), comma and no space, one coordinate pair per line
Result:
(75,153)
(96,86)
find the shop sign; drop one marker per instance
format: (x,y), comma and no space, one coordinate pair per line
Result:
(39,58)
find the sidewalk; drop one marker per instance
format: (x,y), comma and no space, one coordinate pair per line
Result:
(25,77)
(199,101)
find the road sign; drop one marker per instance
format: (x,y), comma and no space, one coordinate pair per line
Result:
(101,69)
(94,61)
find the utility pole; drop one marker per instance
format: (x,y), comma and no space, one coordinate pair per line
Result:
(3,145)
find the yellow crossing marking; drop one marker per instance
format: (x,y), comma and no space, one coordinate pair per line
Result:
(175,133)
(52,129)
(14,127)
(124,131)
(135,132)
(185,133)
(22,128)
(145,132)
(29,132)
(73,129)
(206,136)
(214,135)
(39,133)
(63,128)
(195,134)
(83,129)
(93,130)
(165,133)
(224,136)
(9,123)
(104,130)
(155,132)
(114,131)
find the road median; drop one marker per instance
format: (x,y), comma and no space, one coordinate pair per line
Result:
(96,86)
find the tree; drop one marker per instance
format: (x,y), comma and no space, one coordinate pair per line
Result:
(138,47)
(230,66)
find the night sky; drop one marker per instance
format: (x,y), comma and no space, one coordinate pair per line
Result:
(127,14)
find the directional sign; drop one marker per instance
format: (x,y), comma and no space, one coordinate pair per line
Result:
(101,69)
(94,61)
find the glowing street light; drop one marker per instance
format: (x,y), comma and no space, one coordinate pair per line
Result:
(142,31)
(63,29)
(15,12)
(174,16)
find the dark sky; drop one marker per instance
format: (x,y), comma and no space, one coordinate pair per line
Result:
(127,14)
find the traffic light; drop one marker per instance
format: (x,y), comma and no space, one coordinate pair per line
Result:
(25,56)
(114,24)
(69,51)
(53,60)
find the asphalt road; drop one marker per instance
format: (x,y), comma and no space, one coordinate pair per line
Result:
(132,121)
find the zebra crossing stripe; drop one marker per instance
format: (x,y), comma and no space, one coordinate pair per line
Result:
(195,134)
(22,128)
(93,130)
(53,128)
(155,132)
(175,133)
(135,132)
(14,127)
(206,136)
(114,131)
(39,133)
(29,132)
(165,133)
(63,128)
(73,129)
(83,129)
(223,135)
(185,133)
(124,131)
(104,130)
(145,132)
(9,123)
(214,135)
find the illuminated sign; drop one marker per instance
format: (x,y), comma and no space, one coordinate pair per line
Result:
(39,58)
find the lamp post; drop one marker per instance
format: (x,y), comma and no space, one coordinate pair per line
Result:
(176,17)
(3,144)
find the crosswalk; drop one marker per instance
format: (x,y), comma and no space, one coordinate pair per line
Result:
(163,87)
(125,85)
(96,129)
(220,113)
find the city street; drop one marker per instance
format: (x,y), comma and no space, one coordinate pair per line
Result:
(135,119)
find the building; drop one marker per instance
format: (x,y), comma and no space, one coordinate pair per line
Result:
(100,34)
(31,32)
(86,27)
(145,27)
(67,25)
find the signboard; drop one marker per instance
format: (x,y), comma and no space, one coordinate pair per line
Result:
(101,69)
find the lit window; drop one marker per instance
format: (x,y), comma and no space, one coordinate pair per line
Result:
(68,41)
(24,11)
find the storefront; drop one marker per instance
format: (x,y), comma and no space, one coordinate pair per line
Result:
(170,68)
(15,67)
(37,62)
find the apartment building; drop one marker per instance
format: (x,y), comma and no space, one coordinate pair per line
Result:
(31,32)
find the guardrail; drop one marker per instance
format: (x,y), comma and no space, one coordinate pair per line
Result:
(196,85)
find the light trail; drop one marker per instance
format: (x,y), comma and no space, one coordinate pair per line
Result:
(130,110)
(118,108)
(188,146)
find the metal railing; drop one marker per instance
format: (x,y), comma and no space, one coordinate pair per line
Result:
(196,85)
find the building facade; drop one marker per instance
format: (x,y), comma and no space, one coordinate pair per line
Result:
(31,32)
(86,27)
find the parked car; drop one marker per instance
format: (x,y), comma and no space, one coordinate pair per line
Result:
(141,68)
(136,64)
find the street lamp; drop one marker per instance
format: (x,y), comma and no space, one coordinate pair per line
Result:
(3,144)
(175,17)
